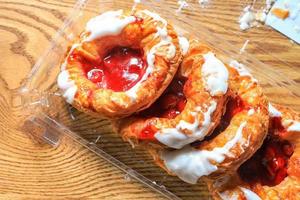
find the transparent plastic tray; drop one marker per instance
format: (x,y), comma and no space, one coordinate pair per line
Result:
(47,118)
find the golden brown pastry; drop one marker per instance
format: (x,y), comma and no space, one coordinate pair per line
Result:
(189,109)
(120,64)
(240,133)
(273,172)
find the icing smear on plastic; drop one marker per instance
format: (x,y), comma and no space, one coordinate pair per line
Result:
(182,4)
(203,3)
(177,138)
(251,17)
(108,23)
(247,18)
(165,40)
(67,86)
(250,195)
(189,164)
(214,75)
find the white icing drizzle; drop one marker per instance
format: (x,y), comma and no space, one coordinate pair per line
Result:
(67,86)
(184,44)
(176,138)
(250,195)
(165,40)
(291,125)
(251,111)
(214,75)
(189,164)
(294,127)
(273,112)
(241,69)
(108,23)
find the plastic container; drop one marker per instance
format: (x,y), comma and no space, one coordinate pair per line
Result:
(48,118)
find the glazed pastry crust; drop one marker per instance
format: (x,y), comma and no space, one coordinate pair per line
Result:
(195,93)
(240,86)
(107,103)
(253,132)
(230,184)
(255,129)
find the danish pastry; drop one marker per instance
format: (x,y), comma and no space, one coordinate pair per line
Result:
(273,172)
(189,109)
(240,133)
(120,64)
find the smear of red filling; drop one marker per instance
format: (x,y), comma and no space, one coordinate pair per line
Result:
(268,165)
(148,132)
(169,105)
(119,71)
(171,102)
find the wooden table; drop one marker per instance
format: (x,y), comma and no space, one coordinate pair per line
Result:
(30,171)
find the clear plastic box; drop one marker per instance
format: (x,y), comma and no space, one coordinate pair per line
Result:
(48,118)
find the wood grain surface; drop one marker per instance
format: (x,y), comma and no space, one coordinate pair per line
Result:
(70,171)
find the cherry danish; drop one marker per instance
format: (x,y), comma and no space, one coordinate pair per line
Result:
(120,64)
(190,107)
(273,172)
(240,132)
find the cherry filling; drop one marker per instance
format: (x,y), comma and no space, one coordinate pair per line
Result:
(119,71)
(171,102)
(148,132)
(169,105)
(269,164)
(233,106)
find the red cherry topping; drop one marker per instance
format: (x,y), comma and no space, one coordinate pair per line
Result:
(287,149)
(269,164)
(95,75)
(170,104)
(170,113)
(281,174)
(168,101)
(234,106)
(276,125)
(181,104)
(148,132)
(119,71)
